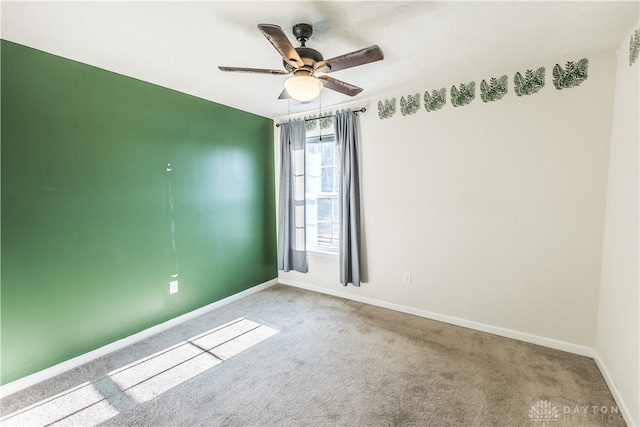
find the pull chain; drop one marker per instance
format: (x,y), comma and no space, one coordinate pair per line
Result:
(320,115)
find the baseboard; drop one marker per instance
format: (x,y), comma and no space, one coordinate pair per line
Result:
(496,330)
(622,406)
(51,372)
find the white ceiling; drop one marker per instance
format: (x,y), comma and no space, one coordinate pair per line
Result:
(426,44)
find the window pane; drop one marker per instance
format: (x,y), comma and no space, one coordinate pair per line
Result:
(313,182)
(327,154)
(313,168)
(324,234)
(312,211)
(321,187)
(325,210)
(327,179)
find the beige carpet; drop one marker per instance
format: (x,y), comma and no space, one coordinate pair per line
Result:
(290,357)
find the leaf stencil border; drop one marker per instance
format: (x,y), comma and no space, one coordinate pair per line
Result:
(386,109)
(495,90)
(436,100)
(530,83)
(634,47)
(411,105)
(464,95)
(311,122)
(572,75)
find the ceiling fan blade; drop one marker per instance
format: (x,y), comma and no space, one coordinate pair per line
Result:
(340,86)
(252,70)
(279,40)
(284,94)
(353,59)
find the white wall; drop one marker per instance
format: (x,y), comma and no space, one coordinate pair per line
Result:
(497,209)
(618,336)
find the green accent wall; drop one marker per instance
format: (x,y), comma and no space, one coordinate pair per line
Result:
(95,222)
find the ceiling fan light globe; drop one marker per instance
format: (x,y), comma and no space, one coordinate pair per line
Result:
(303,88)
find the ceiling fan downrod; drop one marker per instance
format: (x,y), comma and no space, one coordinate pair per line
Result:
(302,33)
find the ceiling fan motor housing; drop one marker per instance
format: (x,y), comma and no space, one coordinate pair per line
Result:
(309,57)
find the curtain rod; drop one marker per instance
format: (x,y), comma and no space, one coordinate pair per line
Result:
(362,110)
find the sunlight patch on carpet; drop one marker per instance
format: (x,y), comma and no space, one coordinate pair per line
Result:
(158,384)
(143,380)
(68,403)
(234,339)
(141,370)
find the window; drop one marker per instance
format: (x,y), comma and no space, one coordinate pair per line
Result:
(322,204)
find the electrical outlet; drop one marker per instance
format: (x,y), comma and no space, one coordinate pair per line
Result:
(406,277)
(173,286)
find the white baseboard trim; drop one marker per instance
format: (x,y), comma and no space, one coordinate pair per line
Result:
(496,330)
(622,406)
(51,372)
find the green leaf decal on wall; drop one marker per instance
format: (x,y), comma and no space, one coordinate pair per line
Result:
(531,83)
(464,95)
(411,105)
(494,90)
(436,100)
(573,74)
(634,47)
(311,123)
(326,122)
(387,109)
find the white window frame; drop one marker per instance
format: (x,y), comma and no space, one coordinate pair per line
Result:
(311,247)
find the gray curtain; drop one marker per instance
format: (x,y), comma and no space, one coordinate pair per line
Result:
(349,252)
(292,254)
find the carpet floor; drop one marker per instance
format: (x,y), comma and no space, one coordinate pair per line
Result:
(290,357)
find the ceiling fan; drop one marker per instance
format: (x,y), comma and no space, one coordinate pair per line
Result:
(308,66)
